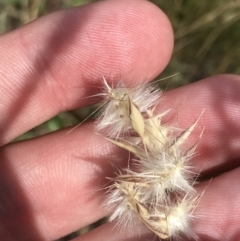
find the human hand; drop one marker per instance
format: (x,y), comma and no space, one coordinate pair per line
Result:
(49,186)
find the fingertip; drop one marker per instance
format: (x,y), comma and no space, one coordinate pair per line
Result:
(218,96)
(145,38)
(130,39)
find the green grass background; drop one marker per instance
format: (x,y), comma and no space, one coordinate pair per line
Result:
(207,42)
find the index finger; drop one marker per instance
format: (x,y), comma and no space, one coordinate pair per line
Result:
(49,65)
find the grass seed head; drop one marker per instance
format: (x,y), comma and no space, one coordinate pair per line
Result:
(157,187)
(124,109)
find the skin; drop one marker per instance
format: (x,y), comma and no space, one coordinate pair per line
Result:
(52,185)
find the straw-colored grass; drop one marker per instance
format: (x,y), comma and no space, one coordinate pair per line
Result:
(157,187)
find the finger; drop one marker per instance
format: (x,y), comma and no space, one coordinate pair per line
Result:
(54,184)
(56,178)
(111,232)
(218,213)
(49,65)
(218,96)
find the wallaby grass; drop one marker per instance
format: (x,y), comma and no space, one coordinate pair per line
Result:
(206,43)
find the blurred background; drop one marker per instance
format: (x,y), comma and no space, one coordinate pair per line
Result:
(207,42)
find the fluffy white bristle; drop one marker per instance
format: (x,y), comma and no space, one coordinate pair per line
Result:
(157,188)
(115,117)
